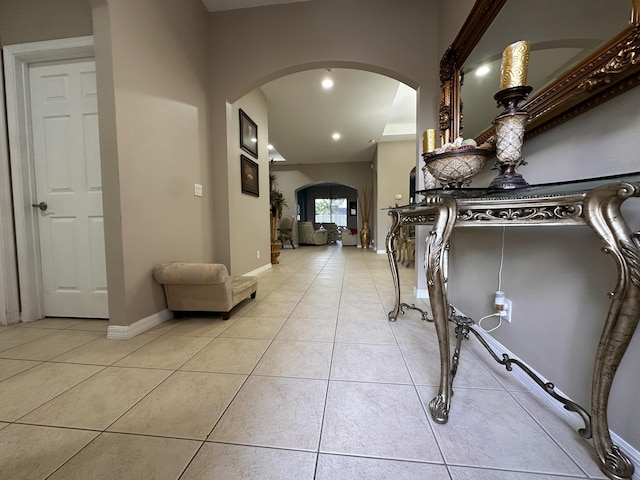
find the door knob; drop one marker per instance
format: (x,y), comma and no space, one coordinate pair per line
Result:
(42,205)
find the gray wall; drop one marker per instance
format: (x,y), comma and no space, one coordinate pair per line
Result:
(557,277)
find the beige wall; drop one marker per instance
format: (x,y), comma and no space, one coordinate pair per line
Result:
(23,21)
(249,228)
(153,80)
(393,38)
(394,163)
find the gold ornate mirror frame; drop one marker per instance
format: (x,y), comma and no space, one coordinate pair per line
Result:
(612,70)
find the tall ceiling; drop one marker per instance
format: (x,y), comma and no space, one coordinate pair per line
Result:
(364,108)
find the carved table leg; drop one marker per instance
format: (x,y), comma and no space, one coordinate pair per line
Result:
(398,307)
(393,263)
(437,239)
(602,213)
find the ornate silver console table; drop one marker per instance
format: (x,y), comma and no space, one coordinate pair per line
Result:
(595,203)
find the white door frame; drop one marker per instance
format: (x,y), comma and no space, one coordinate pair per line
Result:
(17,59)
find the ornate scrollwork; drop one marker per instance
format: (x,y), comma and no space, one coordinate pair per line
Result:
(549,212)
(439,410)
(433,254)
(626,57)
(418,219)
(617,463)
(631,252)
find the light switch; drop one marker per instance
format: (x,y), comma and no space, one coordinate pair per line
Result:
(197,189)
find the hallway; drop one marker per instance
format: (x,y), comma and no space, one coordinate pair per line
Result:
(308,381)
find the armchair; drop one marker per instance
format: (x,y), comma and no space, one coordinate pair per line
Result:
(286,230)
(309,236)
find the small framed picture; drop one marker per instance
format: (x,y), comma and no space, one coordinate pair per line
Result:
(249,176)
(248,134)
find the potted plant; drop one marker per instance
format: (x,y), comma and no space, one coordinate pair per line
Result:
(276,201)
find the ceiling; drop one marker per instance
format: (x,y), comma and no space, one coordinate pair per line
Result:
(364,108)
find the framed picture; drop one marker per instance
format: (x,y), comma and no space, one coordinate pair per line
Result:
(249,176)
(248,134)
(353,209)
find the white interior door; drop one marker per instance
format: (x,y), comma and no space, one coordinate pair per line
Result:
(64,117)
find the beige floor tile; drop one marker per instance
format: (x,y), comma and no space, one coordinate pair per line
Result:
(28,390)
(15,336)
(113,456)
(255,327)
(93,325)
(315,310)
(362,310)
(488,428)
(424,364)
(58,323)
(306,328)
(165,412)
(10,367)
(271,309)
(165,327)
(228,355)
(103,351)
(283,295)
(364,330)
(239,462)
(369,363)
(274,412)
(100,400)
(289,358)
(168,351)
(409,328)
(46,348)
(376,420)
(199,326)
(565,433)
(30,452)
(467,473)
(331,467)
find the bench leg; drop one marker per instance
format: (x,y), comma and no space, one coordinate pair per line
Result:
(253,295)
(226,315)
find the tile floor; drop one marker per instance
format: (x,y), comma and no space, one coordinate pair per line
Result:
(308,381)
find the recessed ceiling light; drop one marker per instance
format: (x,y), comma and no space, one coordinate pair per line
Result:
(327,83)
(482,71)
(336,136)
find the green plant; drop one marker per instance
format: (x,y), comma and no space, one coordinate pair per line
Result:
(276,201)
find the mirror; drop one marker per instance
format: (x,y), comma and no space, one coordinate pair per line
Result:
(575,62)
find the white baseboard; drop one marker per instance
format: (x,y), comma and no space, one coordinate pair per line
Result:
(125,332)
(257,271)
(555,406)
(420,293)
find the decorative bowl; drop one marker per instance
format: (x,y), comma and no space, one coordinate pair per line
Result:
(455,168)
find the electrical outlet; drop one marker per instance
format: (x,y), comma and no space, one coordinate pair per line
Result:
(197,189)
(507,310)
(258,254)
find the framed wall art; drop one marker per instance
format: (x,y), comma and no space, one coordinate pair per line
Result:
(248,134)
(249,176)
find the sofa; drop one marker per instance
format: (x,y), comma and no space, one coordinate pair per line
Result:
(349,238)
(332,232)
(203,287)
(308,235)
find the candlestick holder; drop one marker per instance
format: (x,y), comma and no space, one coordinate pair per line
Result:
(510,126)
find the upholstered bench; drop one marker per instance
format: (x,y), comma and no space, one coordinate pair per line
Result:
(203,287)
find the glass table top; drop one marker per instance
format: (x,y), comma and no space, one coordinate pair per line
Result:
(531,191)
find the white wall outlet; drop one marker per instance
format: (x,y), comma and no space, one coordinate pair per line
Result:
(398,196)
(258,254)
(197,189)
